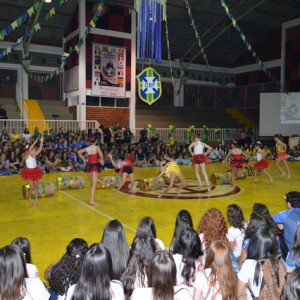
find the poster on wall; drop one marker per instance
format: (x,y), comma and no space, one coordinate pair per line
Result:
(109,69)
(290,108)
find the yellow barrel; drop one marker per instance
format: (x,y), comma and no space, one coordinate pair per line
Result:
(150,184)
(106,182)
(71,182)
(45,189)
(221,178)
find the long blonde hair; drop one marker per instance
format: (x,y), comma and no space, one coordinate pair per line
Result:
(218,259)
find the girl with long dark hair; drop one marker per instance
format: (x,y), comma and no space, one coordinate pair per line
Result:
(188,260)
(183,221)
(115,241)
(95,279)
(137,271)
(162,281)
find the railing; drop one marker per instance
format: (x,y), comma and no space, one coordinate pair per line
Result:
(183,135)
(180,135)
(20,125)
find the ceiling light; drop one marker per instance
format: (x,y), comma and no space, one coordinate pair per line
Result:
(47,1)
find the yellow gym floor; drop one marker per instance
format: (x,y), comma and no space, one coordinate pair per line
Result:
(56,220)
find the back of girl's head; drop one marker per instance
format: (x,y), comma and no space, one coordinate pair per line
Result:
(261,209)
(219,260)
(12,272)
(235,216)
(291,289)
(262,244)
(147,225)
(213,226)
(162,275)
(255,221)
(97,263)
(113,232)
(24,245)
(115,240)
(143,246)
(217,255)
(94,280)
(183,221)
(77,248)
(190,243)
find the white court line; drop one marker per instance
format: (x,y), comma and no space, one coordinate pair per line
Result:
(97,211)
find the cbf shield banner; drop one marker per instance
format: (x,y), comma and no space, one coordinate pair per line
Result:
(149,86)
(109,69)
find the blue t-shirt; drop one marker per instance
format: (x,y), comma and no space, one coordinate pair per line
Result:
(290,219)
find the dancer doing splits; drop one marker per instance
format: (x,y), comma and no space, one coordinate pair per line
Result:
(32,173)
(93,165)
(200,159)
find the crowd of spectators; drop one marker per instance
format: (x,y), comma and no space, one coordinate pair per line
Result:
(60,149)
(245,260)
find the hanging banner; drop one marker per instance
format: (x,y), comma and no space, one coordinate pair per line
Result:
(109,69)
(149,85)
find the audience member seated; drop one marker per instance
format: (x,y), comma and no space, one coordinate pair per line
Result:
(140,255)
(289,218)
(115,241)
(13,282)
(147,225)
(95,278)
(293,258)
(217,280)
(212,227)
(24,245)
(291,289)
(189,259)
(262,260)
(183,221)
(162,281)
(66,271)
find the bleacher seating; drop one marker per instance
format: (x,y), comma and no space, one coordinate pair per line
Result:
(181,117)
(55,110)
(11,107)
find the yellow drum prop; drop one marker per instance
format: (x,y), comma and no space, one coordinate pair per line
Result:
(107,182)
(45,189)
(250,170)
(150,184)
(221,178)
(69,183)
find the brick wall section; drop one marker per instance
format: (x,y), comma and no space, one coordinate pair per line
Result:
(73,111)
(107,116)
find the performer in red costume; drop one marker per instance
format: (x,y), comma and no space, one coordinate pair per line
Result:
(93,165)
(125,169)
(31,172)
(238,159)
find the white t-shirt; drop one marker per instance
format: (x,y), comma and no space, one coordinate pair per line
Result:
(246,275)
(181,292)
(35,290)
(207,290)
(116,291)
(180,265)
(236,235)
(32,271)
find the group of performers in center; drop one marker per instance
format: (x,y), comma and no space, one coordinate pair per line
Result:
(199,151)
